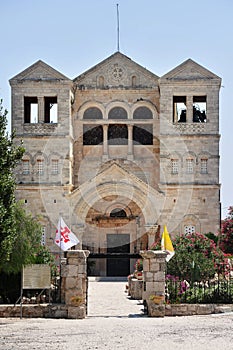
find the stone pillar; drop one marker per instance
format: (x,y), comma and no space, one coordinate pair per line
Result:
(130,155)
(40,109)
(189,112)
(74,283)
(105,142)
(151,233)
(153,293)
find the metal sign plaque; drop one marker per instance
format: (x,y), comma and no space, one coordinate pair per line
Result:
(36,277)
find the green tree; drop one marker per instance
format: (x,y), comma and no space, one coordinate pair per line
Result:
(20,234)
(226,235)
(10,155)
(23,247)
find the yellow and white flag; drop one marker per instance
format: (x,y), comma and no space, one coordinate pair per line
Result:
(166,244)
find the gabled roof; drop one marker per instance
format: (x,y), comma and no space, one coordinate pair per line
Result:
(40,71)
(121,59)
(189,70)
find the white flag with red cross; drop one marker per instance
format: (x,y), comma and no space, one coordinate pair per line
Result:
(64,238)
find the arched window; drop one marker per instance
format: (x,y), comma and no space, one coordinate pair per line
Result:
(118,213)
(134,80)
(117,113)
(101,81)
(92,113)
(142,113)
(117,134)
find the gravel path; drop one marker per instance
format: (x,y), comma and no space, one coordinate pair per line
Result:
(116,322)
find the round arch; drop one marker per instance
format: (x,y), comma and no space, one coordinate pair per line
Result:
(149,200)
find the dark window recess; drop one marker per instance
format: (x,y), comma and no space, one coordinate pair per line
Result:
(92,135)
(142,113)
(118,213)
(199,109)
(50,109)
(179,109)
(143,134)
(117,113)
(93,113)
(30,110)
(117,134)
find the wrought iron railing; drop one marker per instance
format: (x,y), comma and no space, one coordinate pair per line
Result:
(216,291)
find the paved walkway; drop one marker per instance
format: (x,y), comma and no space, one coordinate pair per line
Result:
(115,322)
(109,299)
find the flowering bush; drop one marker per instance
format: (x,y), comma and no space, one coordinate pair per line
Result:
(226,235)
(197,258)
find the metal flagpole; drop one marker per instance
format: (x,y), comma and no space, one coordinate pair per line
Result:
(118,30)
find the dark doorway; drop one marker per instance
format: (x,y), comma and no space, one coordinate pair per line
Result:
(118,244)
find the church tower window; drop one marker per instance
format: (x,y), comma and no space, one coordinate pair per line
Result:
(30,110)
(179,109)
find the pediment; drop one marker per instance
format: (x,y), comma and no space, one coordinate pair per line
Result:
(189,70)
(114,174)
(114,180)
(40,71)
(117,70)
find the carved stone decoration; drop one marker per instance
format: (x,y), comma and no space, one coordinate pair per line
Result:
(117,72)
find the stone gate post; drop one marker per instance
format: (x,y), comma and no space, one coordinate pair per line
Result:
(74,283)
(153,293)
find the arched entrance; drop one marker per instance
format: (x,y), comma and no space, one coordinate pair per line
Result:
(115,209)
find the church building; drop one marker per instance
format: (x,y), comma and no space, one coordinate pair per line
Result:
(118,152)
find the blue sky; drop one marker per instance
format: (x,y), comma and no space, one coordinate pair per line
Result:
(74,35)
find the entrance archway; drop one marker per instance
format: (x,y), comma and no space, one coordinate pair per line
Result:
(112,206)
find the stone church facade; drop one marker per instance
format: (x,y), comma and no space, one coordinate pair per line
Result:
(119,152)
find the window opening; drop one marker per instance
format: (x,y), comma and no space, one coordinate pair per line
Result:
(143,134)
(174,166)
(30,110)
(50,109)
(92,135)
(118,213)
(54,166)
(189,164)
(92,113)
(40,166)
(142,113)
(117,113)
(117,134)
(199,109)
(203,166)
(25,167)
(179,109)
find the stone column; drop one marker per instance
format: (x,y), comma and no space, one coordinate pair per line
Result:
(151,233)
(130,154)
(153,293)
(74,283)
(105,142)
(40,109)
(189,112)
